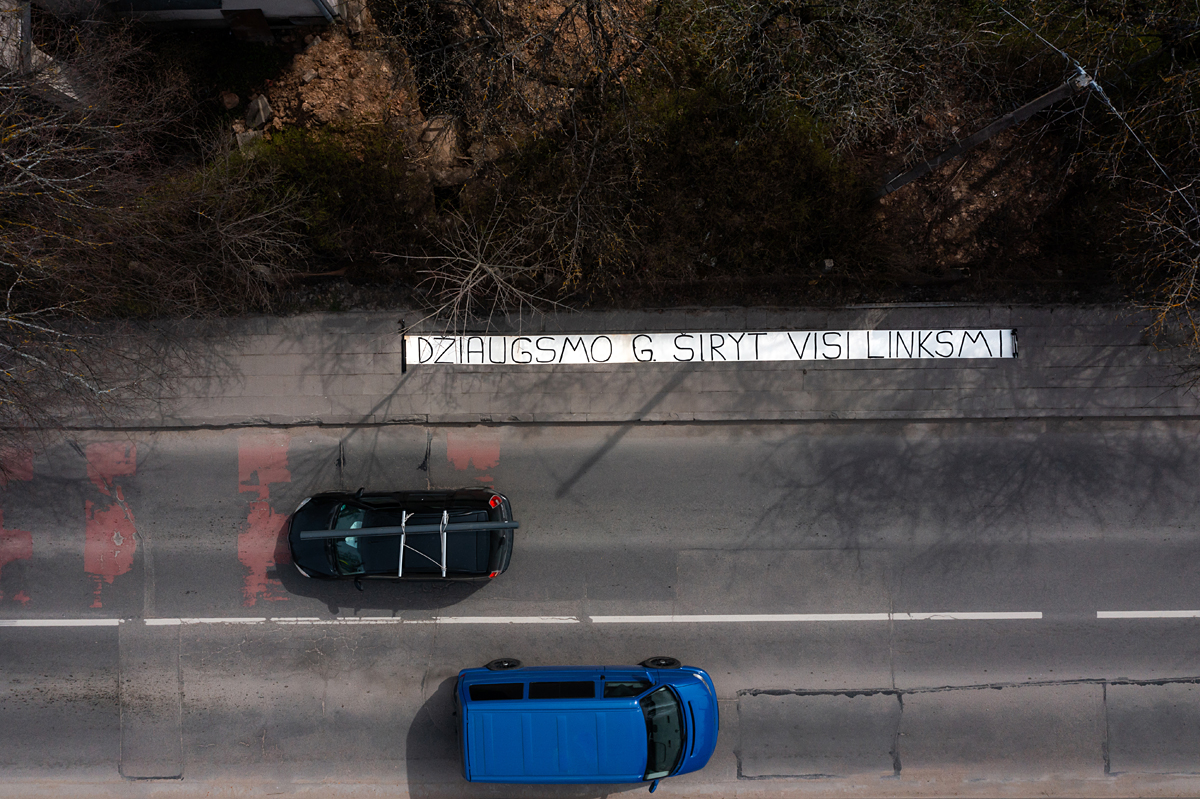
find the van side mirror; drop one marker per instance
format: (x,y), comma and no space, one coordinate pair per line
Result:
(654,786)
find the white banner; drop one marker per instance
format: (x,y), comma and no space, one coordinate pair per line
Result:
(807,345)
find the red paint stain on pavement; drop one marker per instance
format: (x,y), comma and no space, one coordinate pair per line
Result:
(478,449)
(110,534)
(262,462)
(14,545)
(15,465)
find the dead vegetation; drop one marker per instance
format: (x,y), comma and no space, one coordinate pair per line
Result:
(488,156)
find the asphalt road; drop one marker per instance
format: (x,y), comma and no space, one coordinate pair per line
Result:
(886,608)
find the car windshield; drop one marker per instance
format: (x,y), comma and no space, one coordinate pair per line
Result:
(664,732)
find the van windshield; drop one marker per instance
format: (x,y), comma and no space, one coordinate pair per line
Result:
(664,732)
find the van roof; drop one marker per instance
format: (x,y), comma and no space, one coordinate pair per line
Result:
(595,740)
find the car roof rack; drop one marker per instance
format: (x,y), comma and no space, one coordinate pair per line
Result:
(444,528)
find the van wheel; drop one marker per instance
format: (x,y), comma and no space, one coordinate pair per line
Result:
(503,664)
(660,663)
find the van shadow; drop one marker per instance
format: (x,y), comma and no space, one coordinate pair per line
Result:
(434,763)
(394,595)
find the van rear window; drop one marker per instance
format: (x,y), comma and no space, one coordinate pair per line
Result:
(562,690)
(486,692)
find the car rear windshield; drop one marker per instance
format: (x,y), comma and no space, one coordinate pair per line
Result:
(664,732)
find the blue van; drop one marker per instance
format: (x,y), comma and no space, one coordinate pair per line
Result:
(585,724)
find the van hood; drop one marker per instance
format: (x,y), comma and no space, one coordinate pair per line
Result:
(536,745)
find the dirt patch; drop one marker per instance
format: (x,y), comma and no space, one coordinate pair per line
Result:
(333,83)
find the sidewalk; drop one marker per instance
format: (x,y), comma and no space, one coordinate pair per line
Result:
(345,369)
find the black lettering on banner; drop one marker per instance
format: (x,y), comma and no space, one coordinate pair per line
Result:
(639,353)
(503,350)
(422,343)
(691,353)
(540,348)
(470,351)
(449,346)
(909,347)
(756,336)
(513,350)
(737,343)
(577,346)
(804,346)
(949,344)
(714,348)
(825,342)
(974,340)
(608,355)
(869,355)
(921,339)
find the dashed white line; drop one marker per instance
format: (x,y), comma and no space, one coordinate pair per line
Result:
(1147,614)
(968,616)
(739,618)
(816,617)
(498,620)
(59,622)
(342,620)
(719,618)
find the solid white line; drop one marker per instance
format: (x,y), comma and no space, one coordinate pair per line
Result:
(816,617)
(775,617)
(59,622)
(497,620)
(969,616)
(1147,614)
(346,620)
(229,620)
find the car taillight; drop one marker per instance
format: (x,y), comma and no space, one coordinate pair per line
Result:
(493,574)
(495,501)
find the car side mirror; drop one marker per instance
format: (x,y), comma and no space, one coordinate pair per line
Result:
(358,583)
(654,786)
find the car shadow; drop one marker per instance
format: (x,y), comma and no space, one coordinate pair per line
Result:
(376,594)
(434,764)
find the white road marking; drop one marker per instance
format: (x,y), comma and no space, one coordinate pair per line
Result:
(498,620)
(726,618)
(209,620)
(1147,614)
(343,620)
(59,622)
(969,616)
(816,617)
(738,618)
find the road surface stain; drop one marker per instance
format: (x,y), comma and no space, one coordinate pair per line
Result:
(262,462)
(111,535)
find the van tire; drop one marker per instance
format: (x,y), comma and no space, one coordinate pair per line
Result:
(503,664)
(660,662)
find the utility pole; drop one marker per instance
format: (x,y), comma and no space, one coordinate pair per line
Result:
(1074,85)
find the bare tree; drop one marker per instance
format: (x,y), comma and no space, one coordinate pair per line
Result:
(860,70)
(483,271)
(1139,129)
